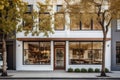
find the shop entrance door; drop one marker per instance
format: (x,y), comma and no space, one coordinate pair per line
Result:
(59,57)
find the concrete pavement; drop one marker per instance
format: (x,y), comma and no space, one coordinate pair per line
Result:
(59,74)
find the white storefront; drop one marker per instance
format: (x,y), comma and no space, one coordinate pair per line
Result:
(63,41)
(62,50)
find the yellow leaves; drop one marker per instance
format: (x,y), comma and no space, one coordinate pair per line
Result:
(28,22)
(44,7)
(10,15)
(1,7)
(59,21)
(44,23)
(115,8)
(3,3)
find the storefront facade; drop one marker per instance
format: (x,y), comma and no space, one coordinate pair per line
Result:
(69,47)
(61,53)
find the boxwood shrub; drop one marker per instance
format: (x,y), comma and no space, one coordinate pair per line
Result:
(70,69)
(83,70)
(77,70)
(90,70)
(97,70)
(106,70)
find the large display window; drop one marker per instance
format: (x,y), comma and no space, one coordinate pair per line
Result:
(36,53)
(85,52)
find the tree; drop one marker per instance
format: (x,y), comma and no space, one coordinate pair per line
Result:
(15,18)
(11,12)
(100,11)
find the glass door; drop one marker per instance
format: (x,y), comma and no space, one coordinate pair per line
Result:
(59,58)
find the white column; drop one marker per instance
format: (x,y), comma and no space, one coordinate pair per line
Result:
(52,55)
(67,54)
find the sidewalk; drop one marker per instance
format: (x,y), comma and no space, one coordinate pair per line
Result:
(58,74)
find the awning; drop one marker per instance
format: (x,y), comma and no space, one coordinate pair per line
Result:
(62,39)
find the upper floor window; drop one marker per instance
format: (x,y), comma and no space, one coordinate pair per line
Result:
(27,21)
(118,24)
(59,21)
(44,20)
(28,18)
(96,25)
(86,26)
(76,24)
(29,8)
(58,8)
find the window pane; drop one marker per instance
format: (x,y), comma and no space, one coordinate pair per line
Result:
(96,26)
(83,53)
(118,53)
(97,56)
(44,53)
(29,8)
(85,45)
(27,21)
(97,45)
(44,21)
(97,52)
(59,21)
(73,51)
(36,53)
(86,26)
(59,8)
(31,51)
(74,22)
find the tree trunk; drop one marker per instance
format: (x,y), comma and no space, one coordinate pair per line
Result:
(4,67)
(103,55)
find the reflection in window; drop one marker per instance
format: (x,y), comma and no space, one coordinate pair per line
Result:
(44,21)
(86,26)
(96,26)
(118,53)
(85,52)
(29,8)
(36,53)
(59,21)
(27,21)
(28,18)
(75,24)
